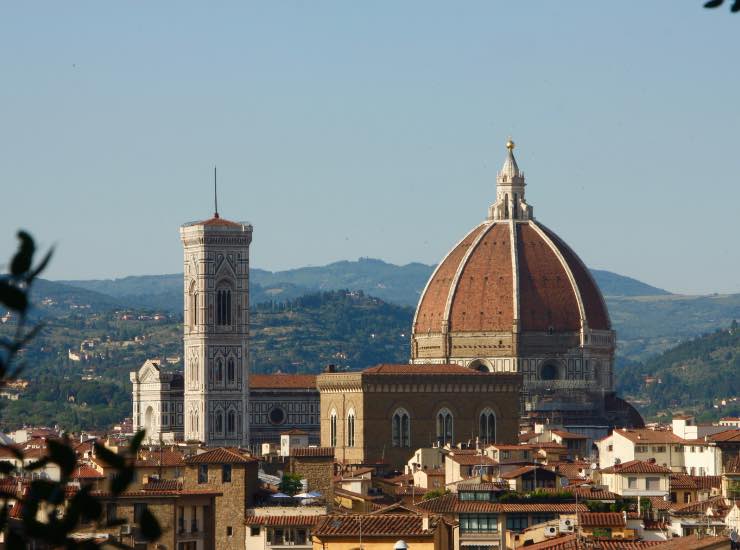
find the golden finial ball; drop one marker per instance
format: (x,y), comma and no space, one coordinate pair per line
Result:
(510,145)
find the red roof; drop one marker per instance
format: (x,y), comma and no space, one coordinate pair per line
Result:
(646,435)
(216,220)
(282,381)
(727,435)
(601,519)
(421,369)
(472,460)
(451,504)
(304,520)
(569,542)
(86,472)
(322,452)
(636,467)
(382,525)
(221,455)
(473,287)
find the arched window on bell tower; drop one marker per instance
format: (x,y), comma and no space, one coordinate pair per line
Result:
(223,305)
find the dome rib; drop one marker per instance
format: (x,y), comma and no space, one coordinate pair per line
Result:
(460,268)
(568,271)
(597,313)
(435,293)
(515,276)
(547,300)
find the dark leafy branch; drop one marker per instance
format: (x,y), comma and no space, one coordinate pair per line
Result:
(51,511)
(734,8)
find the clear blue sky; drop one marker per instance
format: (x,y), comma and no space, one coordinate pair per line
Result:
(346,129)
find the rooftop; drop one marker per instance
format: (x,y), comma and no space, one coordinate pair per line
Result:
(381,525)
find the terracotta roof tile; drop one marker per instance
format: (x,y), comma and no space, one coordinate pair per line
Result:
(381,525)
(163,485)
(597,314)
(569,542)
(472,460)
(282,381)
(728,435)
(319,452)
(601,519)
(304,520)
(546,297)
(405,368)
(434,298)
(700,507)
(646,435)
(221,455)
(636,467)
(451,504)
(483,297)
(84,471)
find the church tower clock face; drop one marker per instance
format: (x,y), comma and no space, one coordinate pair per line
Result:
(216,331)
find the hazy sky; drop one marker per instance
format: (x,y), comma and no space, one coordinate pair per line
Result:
(346,129)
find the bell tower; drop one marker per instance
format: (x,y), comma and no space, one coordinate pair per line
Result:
(216,331)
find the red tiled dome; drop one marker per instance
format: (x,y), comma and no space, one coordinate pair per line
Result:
(504,271)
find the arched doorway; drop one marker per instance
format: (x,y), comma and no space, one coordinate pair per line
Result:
(550,371)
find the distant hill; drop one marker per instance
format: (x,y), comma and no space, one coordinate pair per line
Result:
(648,325)
(693,376)
(612,284)
(392,283)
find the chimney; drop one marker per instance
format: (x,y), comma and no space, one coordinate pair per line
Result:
(425,522)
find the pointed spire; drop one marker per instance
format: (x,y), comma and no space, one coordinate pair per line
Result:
(510,169)
(215,193)
(510,203)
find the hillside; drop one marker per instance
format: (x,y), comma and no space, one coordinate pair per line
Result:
(304,335)
(392,283)
(346,328)
(694,376)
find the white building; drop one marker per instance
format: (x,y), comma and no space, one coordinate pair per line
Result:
(693,456)
(157,402)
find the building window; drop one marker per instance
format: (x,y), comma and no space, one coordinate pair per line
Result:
(401,428)
(487,427)
(351,428)
(219,424)
(223,307)
(254,531)
(229,531)
(226,473)
(231,422)
(687,498)
(231,371)
(542,518)
(219,371)
(202,473)
(333,428)
(478,523)
(180,519)
(516,522)
(632,483)
(653,484)
(444,427)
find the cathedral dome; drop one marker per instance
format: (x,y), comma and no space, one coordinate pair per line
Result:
(502,272)
(510,274)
